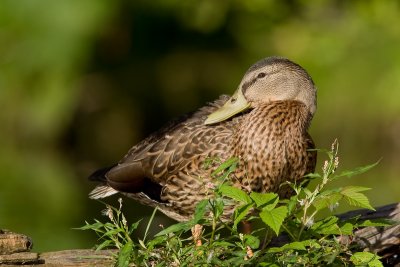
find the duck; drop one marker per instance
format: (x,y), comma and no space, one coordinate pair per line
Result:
(264,124)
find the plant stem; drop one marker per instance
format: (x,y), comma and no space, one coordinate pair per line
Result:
(149,223)
(287,231)
(214,226)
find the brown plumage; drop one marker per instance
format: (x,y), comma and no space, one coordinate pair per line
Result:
(264,124)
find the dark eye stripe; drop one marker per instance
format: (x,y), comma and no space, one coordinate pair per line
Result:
(247,85)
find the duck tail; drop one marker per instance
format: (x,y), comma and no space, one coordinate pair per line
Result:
(100,175)
(102,191)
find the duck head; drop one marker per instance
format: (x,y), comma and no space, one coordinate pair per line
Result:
(270,79)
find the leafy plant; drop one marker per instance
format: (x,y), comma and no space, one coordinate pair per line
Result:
(313,241)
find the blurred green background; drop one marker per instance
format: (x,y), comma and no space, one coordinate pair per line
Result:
(82,81)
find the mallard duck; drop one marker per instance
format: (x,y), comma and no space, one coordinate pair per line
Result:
(264,123)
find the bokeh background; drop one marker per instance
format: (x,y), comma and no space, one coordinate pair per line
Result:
(82,81)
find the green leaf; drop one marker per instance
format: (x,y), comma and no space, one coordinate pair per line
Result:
(226,164)
(201,209)
(113,232)
(293,245)
(356,171)
(269,264)
(106,243)
(134,226)
(366,259)
(354,188)
(327,226)
(223,244)
(353,197)
(240,213)
(218,207)
(312,176)
(149,223)
(274,218)
(262,199)
(251,241)
(155,242)
(327,199)
(235,193)
(125,254)
(182,226)
(307,192)
(378,222)
(347,229)
(312,243)
(297,245)
(94,226)
(291,204)
(109,226)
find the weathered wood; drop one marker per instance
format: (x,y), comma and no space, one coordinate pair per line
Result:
(377,239)
(12,243)
(78,257)
(20,258)
(382,240)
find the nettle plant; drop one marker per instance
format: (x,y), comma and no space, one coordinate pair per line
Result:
(311,241)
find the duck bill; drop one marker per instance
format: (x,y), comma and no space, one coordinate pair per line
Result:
(236,104)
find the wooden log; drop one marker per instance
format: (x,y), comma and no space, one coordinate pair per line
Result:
(385,241)
(79,257)
(13,243)
(20,258)
(377,239)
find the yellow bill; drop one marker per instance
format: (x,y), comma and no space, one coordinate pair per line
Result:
(236,104)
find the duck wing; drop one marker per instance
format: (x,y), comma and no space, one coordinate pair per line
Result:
(147,165)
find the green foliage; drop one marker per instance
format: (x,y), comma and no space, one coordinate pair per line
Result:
(115,233)
(274,217)
(125,254)
(365,259)
(314,242)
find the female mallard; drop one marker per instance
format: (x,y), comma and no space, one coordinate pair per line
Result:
(264,123)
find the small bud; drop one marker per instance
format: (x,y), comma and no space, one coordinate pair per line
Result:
(334,146)
(120,203)
(325,168)
(210,185)
(124,222)
(241,236)
(108,212)
(310,222)
(336,164)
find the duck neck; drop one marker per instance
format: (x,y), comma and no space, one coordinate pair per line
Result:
(272,124)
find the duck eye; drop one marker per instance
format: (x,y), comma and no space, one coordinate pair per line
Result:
(261,75)
(233,100)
